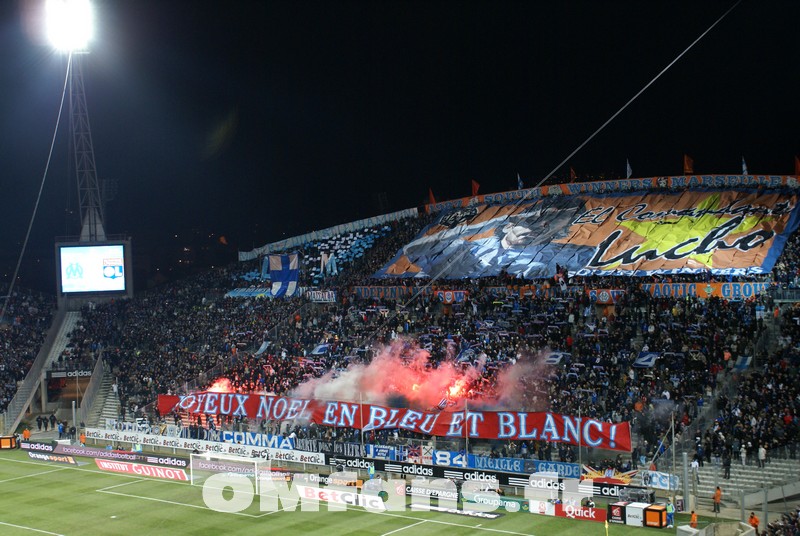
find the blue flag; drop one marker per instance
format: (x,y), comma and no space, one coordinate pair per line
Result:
(321,349)
(646,359)
(284,272)
(555,358)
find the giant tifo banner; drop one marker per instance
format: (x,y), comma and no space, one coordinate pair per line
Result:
(543,426)
(674,183)
(722,232)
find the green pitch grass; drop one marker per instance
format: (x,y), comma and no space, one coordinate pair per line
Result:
(48,498)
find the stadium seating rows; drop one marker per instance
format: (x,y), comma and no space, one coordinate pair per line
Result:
(22,332)
(186,335)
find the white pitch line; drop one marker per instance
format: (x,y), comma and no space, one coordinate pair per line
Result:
(404,528)
(34,474)
(123,484)
(21,461)
(100,472)
(172,502)
(448,523)
(30,528)
(412,518)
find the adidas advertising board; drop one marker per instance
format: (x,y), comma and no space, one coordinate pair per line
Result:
(355,463)
(610,490)
(409,469)
(428,471)
(40,446)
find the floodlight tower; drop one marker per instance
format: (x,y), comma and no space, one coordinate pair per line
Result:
(70,26)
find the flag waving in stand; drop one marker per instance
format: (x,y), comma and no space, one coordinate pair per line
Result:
(688,165)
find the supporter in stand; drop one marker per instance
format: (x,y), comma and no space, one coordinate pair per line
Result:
(22,333)
(787,525)
(186,335)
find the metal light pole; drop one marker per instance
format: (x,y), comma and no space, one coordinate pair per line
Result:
(361,418)
(70,28)
(580,433)
(90,201)
(466,431)
(672,494)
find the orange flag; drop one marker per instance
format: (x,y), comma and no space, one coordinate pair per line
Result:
(475,187)
(572,174)
(431,199)
(688,165)
(796,166)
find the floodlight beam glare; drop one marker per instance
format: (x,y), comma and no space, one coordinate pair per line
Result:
(70,24)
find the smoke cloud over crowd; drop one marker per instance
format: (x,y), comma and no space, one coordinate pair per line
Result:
(402,375)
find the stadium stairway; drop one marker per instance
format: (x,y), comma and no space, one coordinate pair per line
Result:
(106,405)
(745,478)
(23,400)
(62,340)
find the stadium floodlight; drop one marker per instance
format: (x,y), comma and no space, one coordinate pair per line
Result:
(70,24)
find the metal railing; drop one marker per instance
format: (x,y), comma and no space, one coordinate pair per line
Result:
(785,294)
(25,393)
(98,374)
(726,386)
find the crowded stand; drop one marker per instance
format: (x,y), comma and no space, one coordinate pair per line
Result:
(761,415)
(167,340)
(788,524)
(324,258)
(22,333)
(644,354)
(597,377)
(787,271)
(187,336)
(759,421)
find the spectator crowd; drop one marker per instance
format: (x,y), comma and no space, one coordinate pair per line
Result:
(22,333)
(187,335)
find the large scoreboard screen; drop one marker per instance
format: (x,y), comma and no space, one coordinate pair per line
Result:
(92,268)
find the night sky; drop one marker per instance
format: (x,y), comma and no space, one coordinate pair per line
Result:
(263,120)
